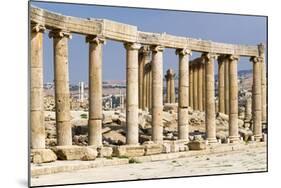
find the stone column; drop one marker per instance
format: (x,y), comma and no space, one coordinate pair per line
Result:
(233,99)
(263,82)
(190,85)
(195,86)
(210,117)
(248,115)
(172,86)
(203,85)
(257,98)
(132,93)
(150,87)
(157,93)
(200,86)
(221,78)
(145,85)
(168,95)
(184,54)
(226,86)
(61,77)
(95,90)
(143,57)
(36,87)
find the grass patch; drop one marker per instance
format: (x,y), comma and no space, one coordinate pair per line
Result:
(84,116)
(133,161)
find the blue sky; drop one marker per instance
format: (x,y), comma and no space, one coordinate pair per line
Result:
(235,29)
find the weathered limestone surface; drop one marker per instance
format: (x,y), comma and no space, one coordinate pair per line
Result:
(226,86)
(190,84)
(183,93)
(157,93)
(128,33)
(75,153)
(132,93)
(128,151)
(61,79)
(95,90)
(195,86)
(39,156)
(263,82)
(221,63)
(143,59)
(36,85)
(210,97)
(233,99)
(200,86)
(257,98)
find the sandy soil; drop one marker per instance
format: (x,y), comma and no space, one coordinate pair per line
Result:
(250,160)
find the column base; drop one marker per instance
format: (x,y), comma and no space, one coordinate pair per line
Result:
(258,138)
(234,139)
(211,141)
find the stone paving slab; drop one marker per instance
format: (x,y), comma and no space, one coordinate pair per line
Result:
(68,166)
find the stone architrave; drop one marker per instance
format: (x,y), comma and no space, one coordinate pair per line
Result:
(183,102)
(132,93)
(157,93)
(233,99)
(221,89)
(210,117)
(62,93)
(257,98)
(36,86)
(95,90)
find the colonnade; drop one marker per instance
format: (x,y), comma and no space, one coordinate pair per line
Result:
(170,86)
(144,89)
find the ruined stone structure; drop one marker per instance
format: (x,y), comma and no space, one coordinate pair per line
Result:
(170,86)
(144,71)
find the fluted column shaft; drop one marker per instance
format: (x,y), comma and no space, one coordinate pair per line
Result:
(221,75)
(36,86)
(62,95)
(183,131)
(132,93)
(210,117)
(233,99)
(157,93)
(95,90)
(257,98)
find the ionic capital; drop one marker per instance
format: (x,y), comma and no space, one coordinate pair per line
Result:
(132,46)
(183,52)
(35,27)
(144,50)
(59,34)
(234,57)
(207,56)
(95,39)
(256,59)
(157,48)
(222,58)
